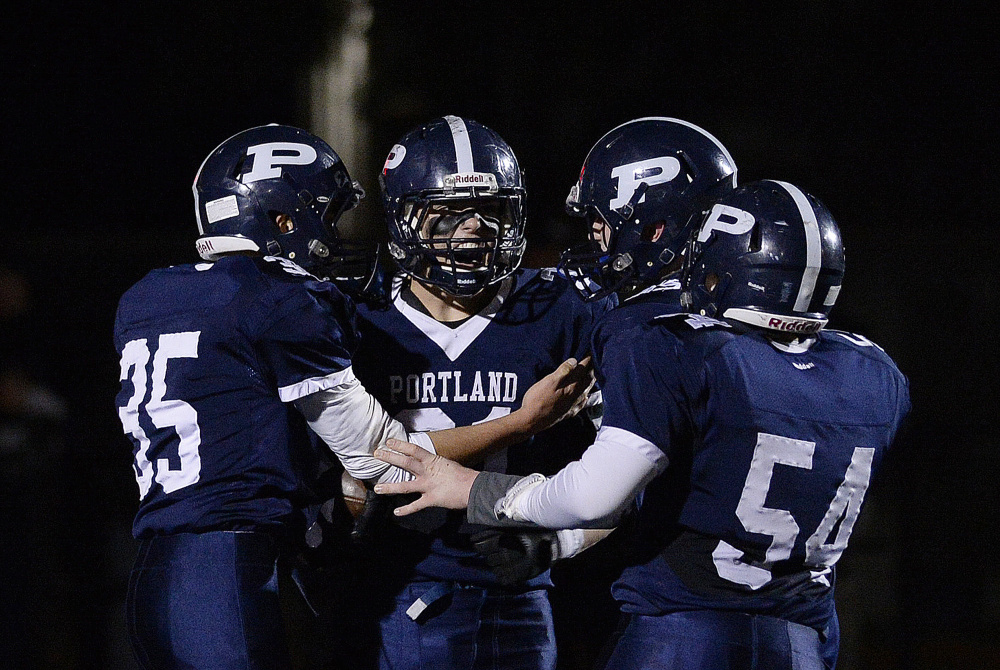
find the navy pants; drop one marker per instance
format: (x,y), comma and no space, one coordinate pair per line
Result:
(207,601)
(469,628)
(709,640)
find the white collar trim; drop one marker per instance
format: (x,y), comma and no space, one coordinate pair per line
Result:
(453,341)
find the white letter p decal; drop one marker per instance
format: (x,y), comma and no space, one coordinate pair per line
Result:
(726,219)
(651,171)
(266,164)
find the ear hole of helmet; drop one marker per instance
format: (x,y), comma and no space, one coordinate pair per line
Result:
(282,221)
(711,282)
(651,232)
(755,239)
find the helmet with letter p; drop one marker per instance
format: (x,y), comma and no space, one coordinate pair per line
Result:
(768,255)
(644,183)
(280,191)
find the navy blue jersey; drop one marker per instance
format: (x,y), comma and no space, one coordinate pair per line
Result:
(771,449)
(210,355)
(431,376)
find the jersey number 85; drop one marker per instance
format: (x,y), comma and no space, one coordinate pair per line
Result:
(163,413)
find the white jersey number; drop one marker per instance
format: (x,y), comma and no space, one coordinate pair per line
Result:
(163,413)
(773,450)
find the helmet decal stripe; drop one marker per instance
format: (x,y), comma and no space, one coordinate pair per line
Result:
(463,148)
(814,247)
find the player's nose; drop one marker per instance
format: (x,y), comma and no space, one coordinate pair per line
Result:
(470,225)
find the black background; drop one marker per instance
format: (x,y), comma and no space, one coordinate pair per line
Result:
(883,111)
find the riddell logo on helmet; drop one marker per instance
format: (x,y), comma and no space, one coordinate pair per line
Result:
(793,325)
(471,180)
(204,246)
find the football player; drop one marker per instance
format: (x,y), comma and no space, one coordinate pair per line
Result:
(466,331)
(748,431)
(213,357)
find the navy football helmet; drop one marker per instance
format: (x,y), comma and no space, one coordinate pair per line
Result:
(648,179)
(443,176)
(768,255)
(279,191)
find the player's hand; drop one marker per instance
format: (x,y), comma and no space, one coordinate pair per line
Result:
(559,395)
(439,481)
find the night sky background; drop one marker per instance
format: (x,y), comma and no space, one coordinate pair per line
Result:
(883,111)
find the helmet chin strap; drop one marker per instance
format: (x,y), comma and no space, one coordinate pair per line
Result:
(628,209)
(459,282)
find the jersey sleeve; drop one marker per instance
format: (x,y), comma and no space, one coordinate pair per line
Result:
(594,312)
(353,424)
(309,340)
(555,304)
(894,381)
(639,374)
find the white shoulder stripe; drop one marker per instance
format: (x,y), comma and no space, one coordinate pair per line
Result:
(814,247)
(463,148)
(312,385)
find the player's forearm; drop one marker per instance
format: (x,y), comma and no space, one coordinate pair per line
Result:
(589,493)
(470,444)
(559,394)
(353,424)
(570,542)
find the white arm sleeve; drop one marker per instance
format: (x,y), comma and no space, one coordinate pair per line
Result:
(595,490)
(353,424)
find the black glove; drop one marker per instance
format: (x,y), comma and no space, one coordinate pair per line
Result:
(370,511)
(517,556)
